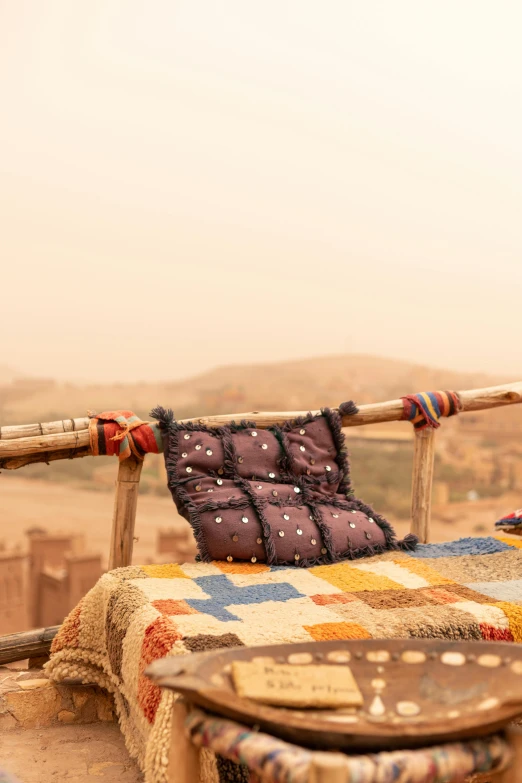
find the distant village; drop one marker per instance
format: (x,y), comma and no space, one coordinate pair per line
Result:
(41,584)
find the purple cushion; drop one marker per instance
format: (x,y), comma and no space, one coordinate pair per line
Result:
(280,495)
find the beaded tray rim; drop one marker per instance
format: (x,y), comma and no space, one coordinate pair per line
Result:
(196,678)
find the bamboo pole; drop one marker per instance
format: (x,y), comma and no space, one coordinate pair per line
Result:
(46,428)
(422,480)
(15,443)
(42,443)
(124,516)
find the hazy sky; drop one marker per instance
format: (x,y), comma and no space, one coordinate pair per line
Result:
(185,183)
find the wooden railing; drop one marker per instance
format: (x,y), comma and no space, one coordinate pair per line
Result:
(68,439)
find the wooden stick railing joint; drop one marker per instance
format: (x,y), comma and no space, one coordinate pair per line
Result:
(16,443)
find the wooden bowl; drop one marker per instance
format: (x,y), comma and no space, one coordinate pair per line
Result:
(415,692)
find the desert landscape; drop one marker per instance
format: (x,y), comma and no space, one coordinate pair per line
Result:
(234,210)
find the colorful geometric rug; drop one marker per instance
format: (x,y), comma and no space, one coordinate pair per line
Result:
(467,589)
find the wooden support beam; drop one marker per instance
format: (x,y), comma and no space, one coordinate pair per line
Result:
(17,442)
(124,516)
(472,400)
(13,463)
(423,459)
(513,773)
(184,758)
(30,644)
(329,768)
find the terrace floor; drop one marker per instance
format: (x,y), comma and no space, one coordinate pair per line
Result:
(92,753)
(51,733)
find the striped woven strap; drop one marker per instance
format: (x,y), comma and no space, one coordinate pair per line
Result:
(122,433)
(426,408)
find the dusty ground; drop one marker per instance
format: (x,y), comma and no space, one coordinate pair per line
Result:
(72,754)
(60,507)
(458,520)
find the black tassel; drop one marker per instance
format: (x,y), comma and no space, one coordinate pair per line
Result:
(243,425)
(165,416)
(300,421)
(408,543)
(348,408)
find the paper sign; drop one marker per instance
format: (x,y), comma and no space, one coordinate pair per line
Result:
(286,685)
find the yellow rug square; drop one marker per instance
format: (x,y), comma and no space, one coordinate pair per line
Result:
(350,579)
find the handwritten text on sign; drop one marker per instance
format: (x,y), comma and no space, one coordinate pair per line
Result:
(296,686)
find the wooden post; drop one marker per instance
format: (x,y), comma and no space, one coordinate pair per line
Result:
(513,774)
(27,644)
(423,457)
(124,517)
(184,762)
(329,768)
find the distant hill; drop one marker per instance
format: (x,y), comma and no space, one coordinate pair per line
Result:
(8,374)
(323,381)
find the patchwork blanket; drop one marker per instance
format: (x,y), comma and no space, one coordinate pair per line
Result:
(468,589)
